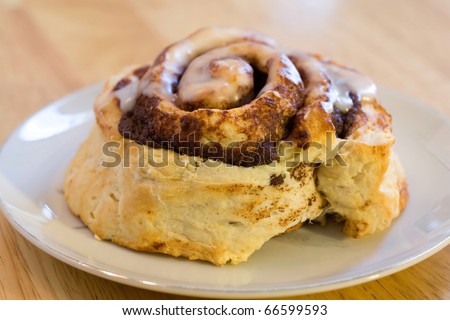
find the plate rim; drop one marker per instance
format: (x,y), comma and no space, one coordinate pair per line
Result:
(229,293)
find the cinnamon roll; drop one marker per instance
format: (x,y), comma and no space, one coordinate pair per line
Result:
(225,141)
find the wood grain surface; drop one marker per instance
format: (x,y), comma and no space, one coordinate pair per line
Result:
(50,48)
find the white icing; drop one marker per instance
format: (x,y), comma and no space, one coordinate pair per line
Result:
(197,52)
(333,82)
(327,106)
(127,95)
(289,72)
(217,81)
(344,81)
(178,56)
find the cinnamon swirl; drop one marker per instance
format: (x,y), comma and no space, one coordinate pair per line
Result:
(225,141)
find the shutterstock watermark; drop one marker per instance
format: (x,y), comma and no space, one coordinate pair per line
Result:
(314,154)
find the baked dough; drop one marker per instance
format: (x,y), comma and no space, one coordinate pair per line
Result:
(189,207)
(134,184)
(371,190)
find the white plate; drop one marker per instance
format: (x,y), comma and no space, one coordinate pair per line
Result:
(311,259)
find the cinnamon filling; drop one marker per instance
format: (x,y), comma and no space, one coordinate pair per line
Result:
(232,96)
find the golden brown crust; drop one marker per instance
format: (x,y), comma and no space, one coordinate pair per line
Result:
(373,181)
(404,192)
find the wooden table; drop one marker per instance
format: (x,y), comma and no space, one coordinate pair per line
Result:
(50,48)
